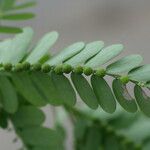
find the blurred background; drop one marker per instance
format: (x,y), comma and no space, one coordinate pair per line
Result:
(113,21)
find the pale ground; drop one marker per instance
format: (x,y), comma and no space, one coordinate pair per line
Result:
(114,21)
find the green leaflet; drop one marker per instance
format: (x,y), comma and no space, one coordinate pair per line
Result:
(46,86)
(140,73)
(64,89)
(105,55)
(66,53)
(8,95)
(90,50)
(103,94)
(123,97)
(85,91)
(28,116)
(51,88)
(18,16)
(27,89)
(13,50)
(24,5)
(40,136)
(42,47)
(6,29)
(143,100)
(125,64)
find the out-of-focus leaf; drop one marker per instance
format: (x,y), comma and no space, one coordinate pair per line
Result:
(140,73)
(143,100)
(6,29)
(123,96)
(18,16)
(66,53)
(59,145)
(111,143)
(103,94)
(28,116)
(139,131)
(125,64)
(42,47)
(123,120)
(8,95)
(85,91)
(90,50)
(40,136)
(24,5)
(13,50)
(27,89)
(93,138)
(80,129)
(6,4)
(105,55)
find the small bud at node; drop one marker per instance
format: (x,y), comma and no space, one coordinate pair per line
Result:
(58,69)
(36,67)
(67,68)
(124,79)
(78,70)
(87,71)
(46,68)
(8,66)
(100,72)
